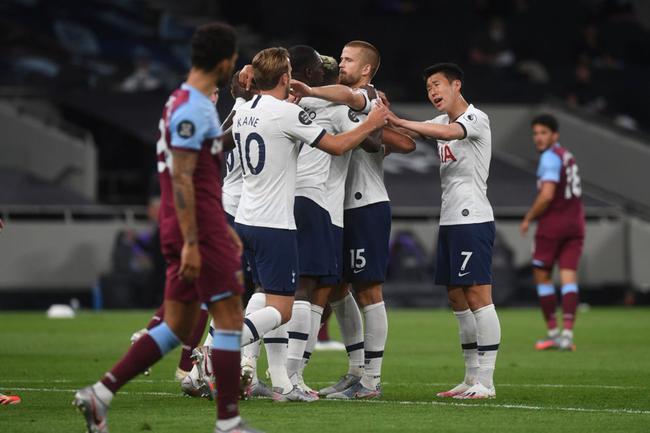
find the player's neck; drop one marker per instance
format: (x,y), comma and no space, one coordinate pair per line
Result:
(202,81)
(459,107)
(359,84)
(278,92)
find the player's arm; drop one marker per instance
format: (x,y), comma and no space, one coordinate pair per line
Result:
(541,203)
(240,95)
(183,166)
(397,142)
(452,131)
(336,93)
(341,143)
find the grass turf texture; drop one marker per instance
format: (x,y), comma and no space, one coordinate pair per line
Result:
(604,386)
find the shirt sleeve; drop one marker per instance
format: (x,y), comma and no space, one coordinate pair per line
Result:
(345,119)
(368,105)
(297,125)
(550,166)
(471,123)
(189,127)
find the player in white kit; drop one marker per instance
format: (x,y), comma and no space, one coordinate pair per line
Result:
(466,236)
(269,133)
(367,222)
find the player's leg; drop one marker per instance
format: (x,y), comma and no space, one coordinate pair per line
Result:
(471,268)
(568,261)
(368,262)
(319,300)
(228,319)
(155,320)
(299,326)
(544,256)
(251,352)
(185,363)
(94,401)
(375,334)
(466,320)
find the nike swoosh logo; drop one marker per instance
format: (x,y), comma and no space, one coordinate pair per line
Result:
(462,275)
(356,271)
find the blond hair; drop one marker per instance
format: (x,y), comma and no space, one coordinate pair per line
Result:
(370,54)
(268,67)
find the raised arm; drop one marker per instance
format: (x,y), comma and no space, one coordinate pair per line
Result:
(341,143)
(397,142)
(336,93)
(183,166)
(452,131)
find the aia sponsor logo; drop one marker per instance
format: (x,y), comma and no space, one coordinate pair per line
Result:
(445,154)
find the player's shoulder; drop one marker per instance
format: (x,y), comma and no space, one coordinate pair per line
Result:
(189,102)
(474,115)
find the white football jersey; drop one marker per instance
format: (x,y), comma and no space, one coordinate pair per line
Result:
(365,182)
(232,182)
(336,119)
(464,169)
(269,133)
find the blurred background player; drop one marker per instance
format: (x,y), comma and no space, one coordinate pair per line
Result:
(560,230)
(199,247)
(467,231)
(271,132)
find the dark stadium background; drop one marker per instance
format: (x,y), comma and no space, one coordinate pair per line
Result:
(82,85)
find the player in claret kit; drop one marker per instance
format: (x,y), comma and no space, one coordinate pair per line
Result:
(560,230)
(269,133)
(466,235)
(203,263)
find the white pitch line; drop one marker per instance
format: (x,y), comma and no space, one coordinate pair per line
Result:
(623,411)
(418,384)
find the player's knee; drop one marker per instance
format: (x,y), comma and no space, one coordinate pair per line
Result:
(370,294)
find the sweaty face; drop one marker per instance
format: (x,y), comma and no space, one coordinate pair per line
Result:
(543,137)
(441,92)
(351,66)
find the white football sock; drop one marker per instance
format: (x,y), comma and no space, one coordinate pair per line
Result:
(349,318)
(257,324)
(489,338)
(376,331)
(468,342)
(104,394)
(275,343)
(251,352)
(298,330)
(227,424)
(316,315)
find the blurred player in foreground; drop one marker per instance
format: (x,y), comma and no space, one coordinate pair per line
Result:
(200,248)
(560,231)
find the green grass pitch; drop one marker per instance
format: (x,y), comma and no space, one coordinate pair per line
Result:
(603,387)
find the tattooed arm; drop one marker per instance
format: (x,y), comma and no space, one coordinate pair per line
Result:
(184,164)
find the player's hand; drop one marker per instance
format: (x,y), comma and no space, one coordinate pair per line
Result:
(378,116)
(246,77)
(393,119)
(299,89)
(523,227)
(236,240)
(190,262)
(237,90)
(383,98)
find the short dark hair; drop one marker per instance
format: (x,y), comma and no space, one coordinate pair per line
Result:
(302,57)
(547,120)
(451,71)
(371,54)
(212,43)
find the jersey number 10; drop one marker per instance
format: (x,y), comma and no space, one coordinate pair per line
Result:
(245,152)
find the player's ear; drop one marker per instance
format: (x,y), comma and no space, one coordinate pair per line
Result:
(366,70)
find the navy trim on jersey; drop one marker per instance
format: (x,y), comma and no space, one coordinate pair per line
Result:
(319,138)
(256,101)
(464,129)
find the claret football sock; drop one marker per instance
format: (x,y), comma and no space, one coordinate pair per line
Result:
(548,302)
(185,362)
(569,304)
(225,364)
